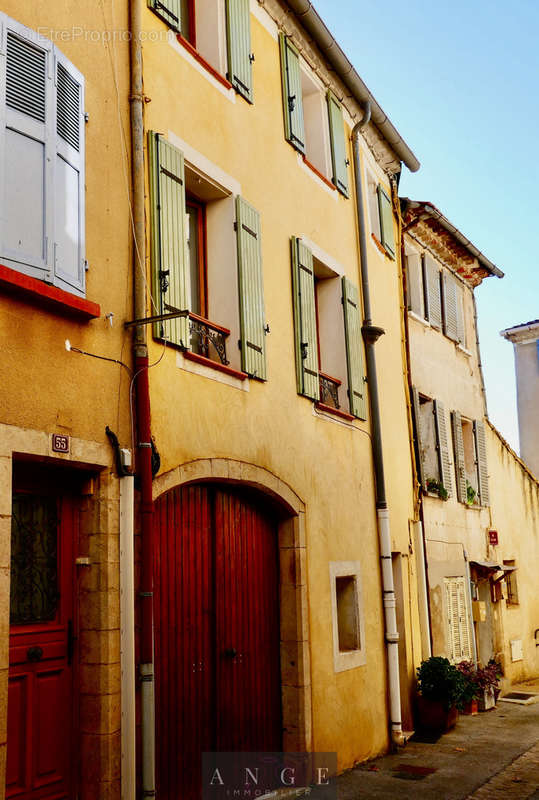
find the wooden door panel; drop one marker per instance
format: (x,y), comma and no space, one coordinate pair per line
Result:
(51,704)
(17,733)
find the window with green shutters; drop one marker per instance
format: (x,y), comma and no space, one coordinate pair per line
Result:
(219,31)
(339,159)
(200,269)
(313,118)
(251,290)
(329,365)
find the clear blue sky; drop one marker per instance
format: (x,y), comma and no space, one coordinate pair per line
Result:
(459,82)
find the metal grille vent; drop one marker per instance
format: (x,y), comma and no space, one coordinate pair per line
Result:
(26,77)
(68,111)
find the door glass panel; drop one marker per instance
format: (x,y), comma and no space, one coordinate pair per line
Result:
(34,559)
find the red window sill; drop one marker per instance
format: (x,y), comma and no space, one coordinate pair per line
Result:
(336,411)
(207,362)
(46,296)
(202,61)
(319,174)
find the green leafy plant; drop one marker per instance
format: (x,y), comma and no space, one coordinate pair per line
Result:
(437,487)
(471,494)
(441,681)
(472,689)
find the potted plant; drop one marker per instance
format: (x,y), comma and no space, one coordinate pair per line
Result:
(441,690)
(487,681)
(437,487)
(471,689)
(471,494)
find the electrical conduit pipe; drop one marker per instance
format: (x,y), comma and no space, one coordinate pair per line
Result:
(144,450)
(371,334)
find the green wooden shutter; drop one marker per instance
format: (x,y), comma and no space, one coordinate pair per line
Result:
(354,349)
(420,449)
(338,145)
(240,72)
(482,470)
(251,288)
(460,466)
(292,96)
(170,264)
(432,294)
(305,320)
(414,284)
(387,230)
(444,461)
(450,306)
(169,11)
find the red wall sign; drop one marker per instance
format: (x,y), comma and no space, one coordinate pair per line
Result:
(493,537)
(60,443)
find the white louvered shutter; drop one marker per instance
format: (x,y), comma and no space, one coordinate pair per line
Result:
(450,306)
(443,446)
(69,175)
(482,469)
(458,446)
(461,325)
(432,293)
(414,276)
(458,628)
(27,161)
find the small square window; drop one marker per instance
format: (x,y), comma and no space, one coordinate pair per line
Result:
(511,582)
(348,622)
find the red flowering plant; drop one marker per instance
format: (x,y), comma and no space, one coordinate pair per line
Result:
(472,685)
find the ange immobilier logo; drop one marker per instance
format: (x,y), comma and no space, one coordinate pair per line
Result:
(258,775)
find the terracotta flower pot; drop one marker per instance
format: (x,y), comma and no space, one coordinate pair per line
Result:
(431,715)
(470,708)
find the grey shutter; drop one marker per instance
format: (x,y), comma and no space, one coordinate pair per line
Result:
(171,287)
(433,296)
(238,19)
(450,306)
(420,452)
(387,231)
(458,446)
(482,470)
(69,195)
(338,144)
(169,11)
(443,447)
(305,320)
(461,329)
(354,349)
(251,289)
(415,284)
(292,95)
(27,147)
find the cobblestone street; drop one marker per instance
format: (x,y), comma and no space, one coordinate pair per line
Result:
(490,755)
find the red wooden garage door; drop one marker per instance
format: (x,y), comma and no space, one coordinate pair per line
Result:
(217,631)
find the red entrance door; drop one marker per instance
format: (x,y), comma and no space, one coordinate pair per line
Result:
(217,631)
(40,695)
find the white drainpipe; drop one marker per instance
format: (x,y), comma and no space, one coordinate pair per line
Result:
(127,635)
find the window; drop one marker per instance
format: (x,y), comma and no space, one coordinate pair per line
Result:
(42,147)
(431,444)
(200,267)
(459,641)
(511,582)
(219,32)
(327,324)
(471,471)
(347,612)
(313,118)
(436,296)
(381,215)
(414,284)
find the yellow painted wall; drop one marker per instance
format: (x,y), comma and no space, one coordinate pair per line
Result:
(515,515)
(328,464)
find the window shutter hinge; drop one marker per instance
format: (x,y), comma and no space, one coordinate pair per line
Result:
(267,328)
(239,344)
(251,57)
(86,265)
(235,226)
(86,116)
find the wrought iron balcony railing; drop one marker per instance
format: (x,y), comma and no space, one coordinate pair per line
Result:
(208,339)
(329,390)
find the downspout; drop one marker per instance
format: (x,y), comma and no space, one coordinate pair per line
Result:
(371,334)
(144,448)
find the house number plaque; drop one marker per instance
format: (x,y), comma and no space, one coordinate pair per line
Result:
(60,443)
